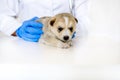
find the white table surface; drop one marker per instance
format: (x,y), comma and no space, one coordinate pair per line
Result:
(95,56)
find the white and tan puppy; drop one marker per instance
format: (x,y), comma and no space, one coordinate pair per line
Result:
(58,30)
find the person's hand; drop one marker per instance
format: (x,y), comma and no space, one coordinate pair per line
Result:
(30,30)
(74,35)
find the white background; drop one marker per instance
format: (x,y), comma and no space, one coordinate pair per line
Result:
(95,56)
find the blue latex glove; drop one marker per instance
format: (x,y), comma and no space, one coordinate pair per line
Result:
(30,30)
(74,35)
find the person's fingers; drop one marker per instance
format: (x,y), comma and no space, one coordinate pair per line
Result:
(32,30)
(74,35)
(33,24)
(29,39)
(28,35)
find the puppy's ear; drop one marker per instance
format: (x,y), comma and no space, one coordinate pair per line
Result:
(76,19)
(52,21)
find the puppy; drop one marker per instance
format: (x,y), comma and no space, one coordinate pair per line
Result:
(58,30)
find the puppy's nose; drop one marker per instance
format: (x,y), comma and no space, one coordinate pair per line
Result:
(66,38)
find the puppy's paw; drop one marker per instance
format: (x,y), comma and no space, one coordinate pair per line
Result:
(70,43)
(63,45)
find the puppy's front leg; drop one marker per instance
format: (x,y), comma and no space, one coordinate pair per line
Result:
(64,45)
(70,43)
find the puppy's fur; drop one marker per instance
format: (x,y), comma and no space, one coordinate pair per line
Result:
(58,30)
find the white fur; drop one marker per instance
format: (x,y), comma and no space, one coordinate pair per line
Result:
(66,20)
(66,32)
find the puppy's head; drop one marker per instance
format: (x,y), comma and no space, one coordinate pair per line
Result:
(63,26)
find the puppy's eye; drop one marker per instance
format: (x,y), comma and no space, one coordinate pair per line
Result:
(60,29)
(71,29)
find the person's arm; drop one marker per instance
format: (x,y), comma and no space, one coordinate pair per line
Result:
(81,13)
(8,11)
(29,30)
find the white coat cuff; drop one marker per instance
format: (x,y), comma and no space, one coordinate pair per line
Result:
(9,25)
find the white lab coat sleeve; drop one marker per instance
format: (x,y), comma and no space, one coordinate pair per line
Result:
(8,11)
(81,13)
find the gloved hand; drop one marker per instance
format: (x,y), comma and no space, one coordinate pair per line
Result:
(30,30)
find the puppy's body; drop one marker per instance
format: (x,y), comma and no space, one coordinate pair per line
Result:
(58,30)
